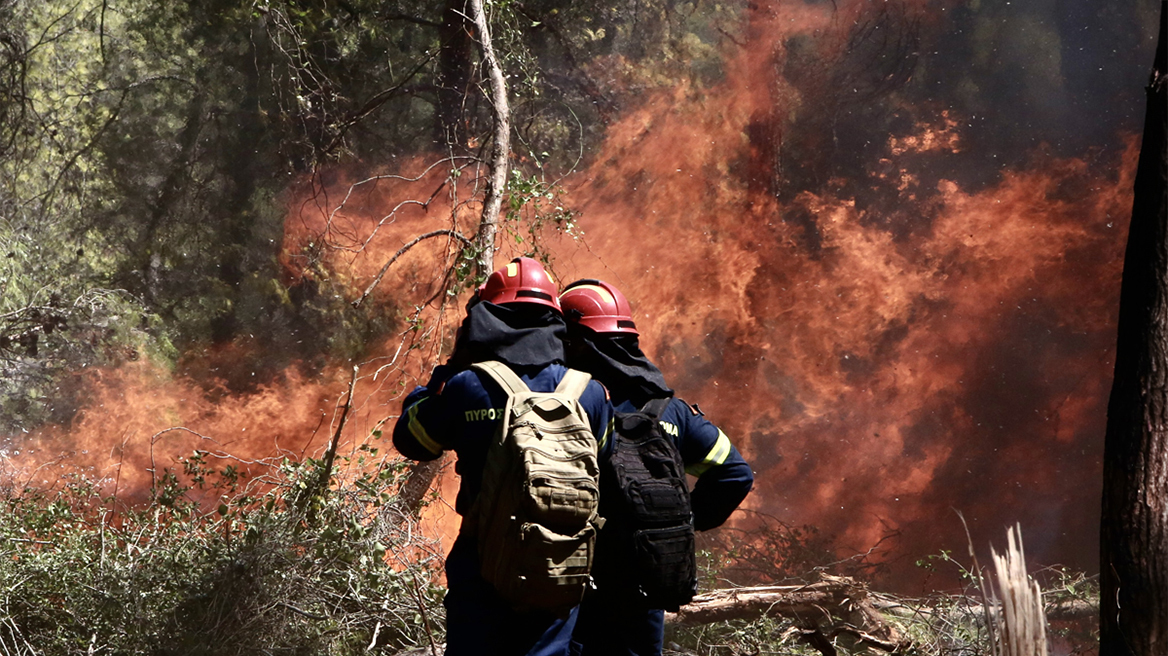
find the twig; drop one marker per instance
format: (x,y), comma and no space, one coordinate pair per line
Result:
(373,641)
(311,616)
(422,611)
(401,251)
(987,607)
(154,438)
(326,469)
(378,99)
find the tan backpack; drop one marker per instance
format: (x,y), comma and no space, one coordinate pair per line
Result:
(536,512)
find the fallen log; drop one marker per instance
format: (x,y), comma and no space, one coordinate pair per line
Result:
(832,608)
(826,609)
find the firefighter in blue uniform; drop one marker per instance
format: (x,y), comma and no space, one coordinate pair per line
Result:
(515,319)
(603,341)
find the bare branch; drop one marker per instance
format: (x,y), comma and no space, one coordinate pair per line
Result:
(374,179)
(401,251)
(411,19)
(378,99)
(326,469)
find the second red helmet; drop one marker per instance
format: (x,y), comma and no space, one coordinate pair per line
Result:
(522,280)
(598,305)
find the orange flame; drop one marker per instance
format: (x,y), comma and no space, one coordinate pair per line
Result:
(883,350)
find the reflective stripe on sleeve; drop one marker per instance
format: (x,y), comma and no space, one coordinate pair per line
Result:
(716,456)
(607,431)
(419,431)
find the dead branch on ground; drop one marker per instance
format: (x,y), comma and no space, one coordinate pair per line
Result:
(827,609)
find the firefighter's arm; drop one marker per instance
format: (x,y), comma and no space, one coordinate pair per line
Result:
(418,430)
(723,476)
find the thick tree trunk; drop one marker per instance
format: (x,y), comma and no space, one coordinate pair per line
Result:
(243,172)
(455,70)
(1134,531)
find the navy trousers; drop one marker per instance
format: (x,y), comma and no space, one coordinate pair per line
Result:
(611,625)
(480,623)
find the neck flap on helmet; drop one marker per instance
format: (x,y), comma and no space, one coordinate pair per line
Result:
(517,334)
(616,361)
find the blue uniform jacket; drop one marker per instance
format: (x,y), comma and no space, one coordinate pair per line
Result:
(463,413)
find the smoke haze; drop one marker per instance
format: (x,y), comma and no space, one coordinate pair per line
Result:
(880,246)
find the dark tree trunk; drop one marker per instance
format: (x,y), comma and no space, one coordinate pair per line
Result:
(169,195)
(240,222)
(455,73)
(1134,531)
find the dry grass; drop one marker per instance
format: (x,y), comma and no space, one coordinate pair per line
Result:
(1019,620)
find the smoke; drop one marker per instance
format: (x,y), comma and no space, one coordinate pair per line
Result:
(140,418)
(883,254)
(881,250)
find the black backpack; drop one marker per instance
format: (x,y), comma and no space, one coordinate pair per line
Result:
(646,548)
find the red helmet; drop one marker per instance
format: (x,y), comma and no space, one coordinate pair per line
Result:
(599,306)
(522,280)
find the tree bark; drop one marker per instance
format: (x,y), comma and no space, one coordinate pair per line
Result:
(422,474)
(455,69)
(1134,528)
(500,146)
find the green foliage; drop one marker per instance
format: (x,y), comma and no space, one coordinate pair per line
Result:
(573,65)
(765,635)
(534,208)
(213,563)
(156,142)
(146,152)
(45,337)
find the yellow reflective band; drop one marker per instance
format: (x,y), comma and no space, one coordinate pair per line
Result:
(419,431)
(716,456)
(599,290)
(512,269)
(607,432)
(550,278)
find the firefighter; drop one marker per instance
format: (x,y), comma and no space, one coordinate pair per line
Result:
(603,341)
(514,319)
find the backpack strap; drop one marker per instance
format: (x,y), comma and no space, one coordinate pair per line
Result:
(502,374)
(573,383)
(656,407)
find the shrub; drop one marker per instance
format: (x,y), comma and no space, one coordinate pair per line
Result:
(213,564)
